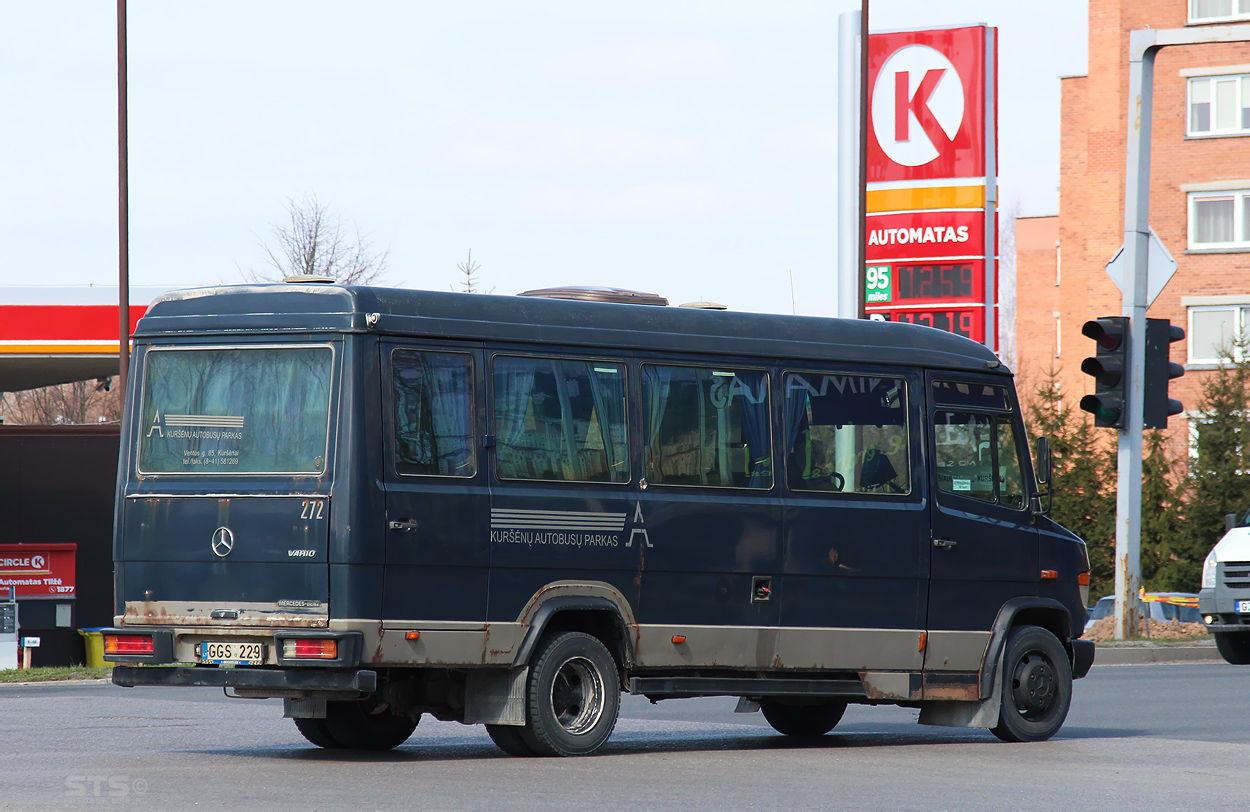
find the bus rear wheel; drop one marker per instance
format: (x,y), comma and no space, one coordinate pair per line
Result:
(573,696)
(508,739)
(803,720)
(1234,647)
(1037,686)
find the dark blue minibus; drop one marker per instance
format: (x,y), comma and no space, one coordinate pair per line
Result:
(378,504)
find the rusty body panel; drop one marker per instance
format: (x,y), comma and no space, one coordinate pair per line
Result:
(241,614)
(964,687)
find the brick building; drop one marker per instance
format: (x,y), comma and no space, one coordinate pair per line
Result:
(1199,199)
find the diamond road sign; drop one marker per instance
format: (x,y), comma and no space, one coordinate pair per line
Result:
(1159,268)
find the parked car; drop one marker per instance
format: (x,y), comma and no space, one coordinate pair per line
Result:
(1167,608)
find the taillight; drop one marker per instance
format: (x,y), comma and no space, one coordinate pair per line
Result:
(129,644)
(1082,580)
(305,649)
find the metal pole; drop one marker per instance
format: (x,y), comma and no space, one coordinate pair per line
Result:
(1136,248)
(991,192)
(123,213)
(850,275)
(862,229)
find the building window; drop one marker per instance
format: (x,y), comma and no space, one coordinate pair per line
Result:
(1213,332)
(1219,220)
(1206,11)
(1219,105)
(1058,334)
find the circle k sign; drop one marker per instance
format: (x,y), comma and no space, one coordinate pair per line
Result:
(928,104)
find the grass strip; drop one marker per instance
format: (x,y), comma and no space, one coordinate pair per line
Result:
(54,673)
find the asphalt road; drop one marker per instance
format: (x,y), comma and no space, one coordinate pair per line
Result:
(1140,737)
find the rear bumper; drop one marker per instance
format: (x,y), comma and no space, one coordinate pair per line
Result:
(1082,657)
(281,681)
(179,645)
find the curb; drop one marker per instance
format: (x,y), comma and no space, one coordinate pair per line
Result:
(1149,653)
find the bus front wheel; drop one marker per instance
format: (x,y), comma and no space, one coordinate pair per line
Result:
(573,694)
(357,725)
(1037,686)
(315,731)
(803,720)
(1234,647)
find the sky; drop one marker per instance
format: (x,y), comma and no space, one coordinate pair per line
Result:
(683,148)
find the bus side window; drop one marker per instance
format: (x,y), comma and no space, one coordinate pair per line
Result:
(433,395)
(707,427)
(963,456)
(560,419)
(846,433)
(967,446)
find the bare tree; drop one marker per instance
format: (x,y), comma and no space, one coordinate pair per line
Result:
(316,241)
(82,402)
(469,269)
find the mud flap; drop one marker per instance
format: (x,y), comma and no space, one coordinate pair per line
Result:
(982,713)
(496,696)
(304,708)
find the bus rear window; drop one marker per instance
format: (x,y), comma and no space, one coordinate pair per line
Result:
(236,410)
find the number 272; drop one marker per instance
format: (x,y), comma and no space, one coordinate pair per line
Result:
(312,509)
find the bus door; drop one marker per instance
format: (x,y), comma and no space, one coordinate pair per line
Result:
(560,495)
(708,519)
(437,502)
(985,549)
(227,513)
(856,522)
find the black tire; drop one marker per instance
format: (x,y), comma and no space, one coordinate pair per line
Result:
(1234,647)
(508,739)
(573,696)
(1036,686)
(315,731)
(806,721)
(356,726)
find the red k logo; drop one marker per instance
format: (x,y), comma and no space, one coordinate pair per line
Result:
(917,105)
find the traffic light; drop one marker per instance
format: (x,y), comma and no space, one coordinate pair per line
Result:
(1109,369)
(1156,405)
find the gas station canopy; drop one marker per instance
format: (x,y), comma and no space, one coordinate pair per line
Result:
(52,335)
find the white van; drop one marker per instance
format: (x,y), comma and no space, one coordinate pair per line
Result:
(1224,600)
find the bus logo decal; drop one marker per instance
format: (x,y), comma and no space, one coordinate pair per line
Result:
(223,541)
(575,528)
(638,531)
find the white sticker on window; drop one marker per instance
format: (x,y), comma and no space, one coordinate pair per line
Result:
(961,484)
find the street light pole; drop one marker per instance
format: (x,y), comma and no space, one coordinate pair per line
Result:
(123,213)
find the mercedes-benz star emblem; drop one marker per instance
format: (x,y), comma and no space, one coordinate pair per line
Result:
(223,541)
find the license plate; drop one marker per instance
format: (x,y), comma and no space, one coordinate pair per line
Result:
(1243,607)
(220,652)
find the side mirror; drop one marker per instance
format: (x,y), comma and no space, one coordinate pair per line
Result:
(1230,521)
(1043,460)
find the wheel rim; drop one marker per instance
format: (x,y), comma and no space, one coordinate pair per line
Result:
(1034,685)
(577,696)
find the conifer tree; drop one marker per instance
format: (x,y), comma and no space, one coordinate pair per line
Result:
(1082,478)
(1165,563)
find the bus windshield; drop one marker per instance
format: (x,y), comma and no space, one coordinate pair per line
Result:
(240,410)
